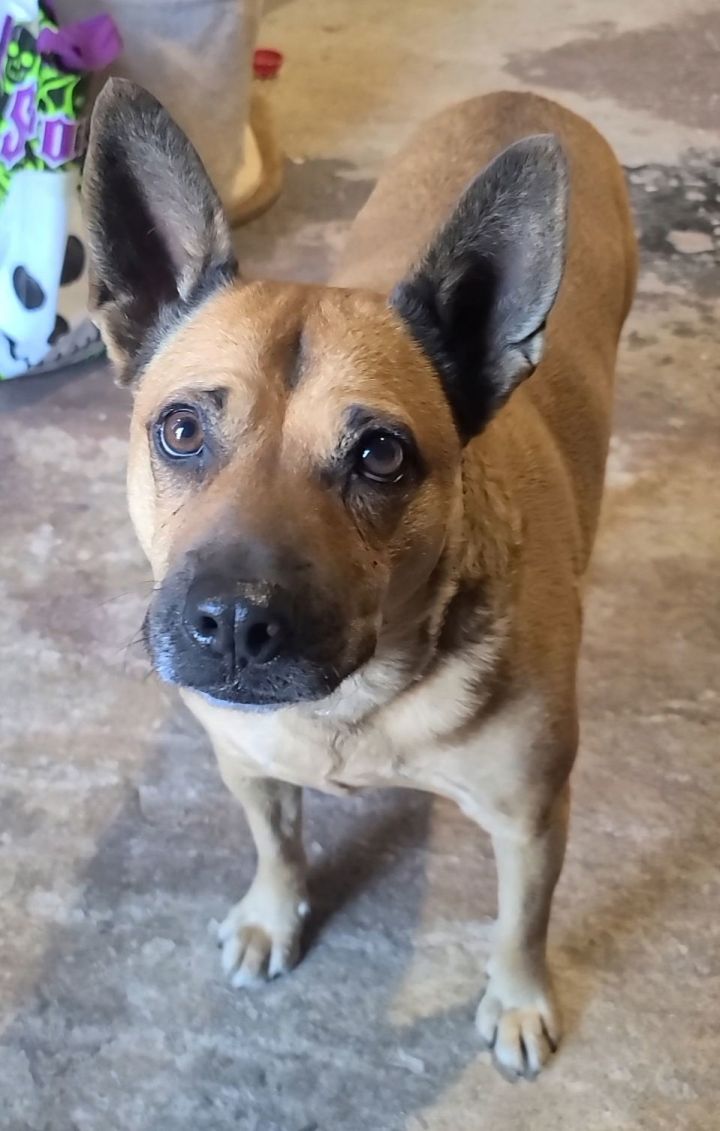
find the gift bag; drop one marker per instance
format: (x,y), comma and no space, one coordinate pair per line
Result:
(43,287)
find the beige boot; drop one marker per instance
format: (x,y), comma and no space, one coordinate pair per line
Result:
(196,57)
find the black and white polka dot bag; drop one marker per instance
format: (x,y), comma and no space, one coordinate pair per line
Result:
(44,323)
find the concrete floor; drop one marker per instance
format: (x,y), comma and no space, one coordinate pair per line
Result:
(119,845)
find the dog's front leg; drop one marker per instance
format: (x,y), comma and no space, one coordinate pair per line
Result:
(260,938)
(517,1017)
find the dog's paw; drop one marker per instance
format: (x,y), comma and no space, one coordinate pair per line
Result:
(522,1029)
(260,938)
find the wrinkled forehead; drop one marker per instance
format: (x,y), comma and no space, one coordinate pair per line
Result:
(283,356)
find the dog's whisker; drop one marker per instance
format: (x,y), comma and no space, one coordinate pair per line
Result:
(146,588)
(171,516)
(137,638)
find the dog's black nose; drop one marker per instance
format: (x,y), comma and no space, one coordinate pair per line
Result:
(244,630)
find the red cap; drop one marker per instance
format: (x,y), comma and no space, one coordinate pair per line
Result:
(267,62)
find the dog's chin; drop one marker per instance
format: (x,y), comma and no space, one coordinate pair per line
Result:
(238,705)
(256,699)
(241,701)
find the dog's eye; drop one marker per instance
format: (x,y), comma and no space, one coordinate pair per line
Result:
(180,433)
(381,457)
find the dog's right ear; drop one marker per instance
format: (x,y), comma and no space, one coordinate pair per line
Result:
(159,241)
(478,300)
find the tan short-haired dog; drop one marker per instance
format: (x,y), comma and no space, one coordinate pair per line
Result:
(369,537)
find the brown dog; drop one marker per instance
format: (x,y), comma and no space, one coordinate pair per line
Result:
(369,557)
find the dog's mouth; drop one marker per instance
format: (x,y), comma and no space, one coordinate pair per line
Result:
(271,691)
(241,698)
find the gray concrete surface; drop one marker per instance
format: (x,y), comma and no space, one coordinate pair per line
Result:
(118,844)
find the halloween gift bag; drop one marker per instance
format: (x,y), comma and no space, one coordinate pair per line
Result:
(43,290)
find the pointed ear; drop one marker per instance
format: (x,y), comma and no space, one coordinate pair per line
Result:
(477,301)
(159,241)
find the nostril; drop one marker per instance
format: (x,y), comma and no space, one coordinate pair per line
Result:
(260,638)
(207,625)
(238,630)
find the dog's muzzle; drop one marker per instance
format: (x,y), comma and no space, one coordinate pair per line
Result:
(253,643)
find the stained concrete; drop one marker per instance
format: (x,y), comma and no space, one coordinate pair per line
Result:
(119,845)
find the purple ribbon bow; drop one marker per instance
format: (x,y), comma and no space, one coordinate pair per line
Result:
(88,45)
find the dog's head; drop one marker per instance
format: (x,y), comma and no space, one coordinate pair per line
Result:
(295,450)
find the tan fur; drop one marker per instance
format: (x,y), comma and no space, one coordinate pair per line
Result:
(513,516)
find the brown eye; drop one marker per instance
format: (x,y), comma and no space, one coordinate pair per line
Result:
(381,457)
(181,433)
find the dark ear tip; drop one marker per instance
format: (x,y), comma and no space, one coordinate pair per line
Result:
(553,149)
(545,151)
(124,91)
(120,99)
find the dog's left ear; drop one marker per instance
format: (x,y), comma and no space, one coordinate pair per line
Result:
(478,300)
(159,241)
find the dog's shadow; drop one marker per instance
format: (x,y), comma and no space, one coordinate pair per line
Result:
(130,966)
(610,937)
(364,856)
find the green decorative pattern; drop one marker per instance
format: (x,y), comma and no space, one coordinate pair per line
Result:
(39,105)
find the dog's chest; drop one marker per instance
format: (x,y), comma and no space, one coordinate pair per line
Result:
(332,750)
(409,743)
(311,752)
(306,750)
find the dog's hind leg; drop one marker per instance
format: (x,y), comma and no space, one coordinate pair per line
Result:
(260,938)
(517,1016)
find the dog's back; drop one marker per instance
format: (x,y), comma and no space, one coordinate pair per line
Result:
(572,387)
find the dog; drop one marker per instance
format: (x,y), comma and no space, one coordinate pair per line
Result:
(368,524)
